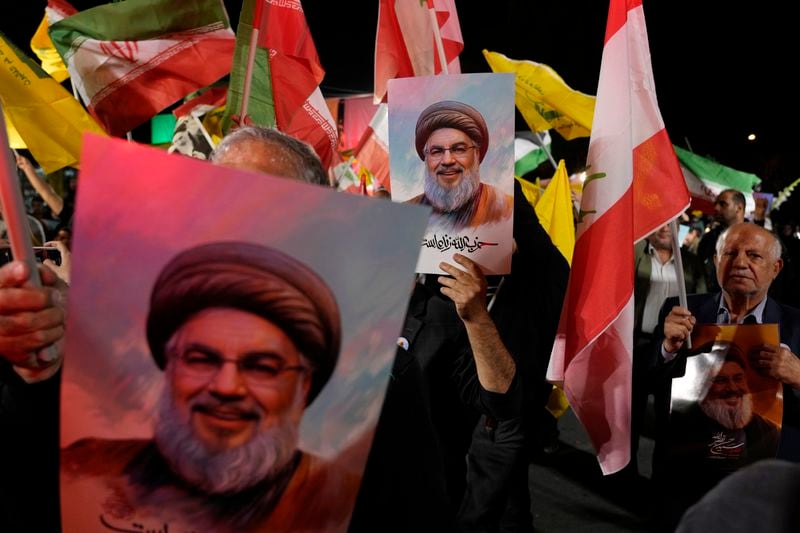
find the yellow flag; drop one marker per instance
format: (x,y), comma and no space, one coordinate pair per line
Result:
(48,119)
(14,140)
(532,191)
(43,47)
(554,210)
(544,99)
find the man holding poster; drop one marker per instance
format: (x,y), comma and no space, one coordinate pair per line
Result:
(747,261)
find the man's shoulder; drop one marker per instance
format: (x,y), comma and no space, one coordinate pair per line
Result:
(788,312)
(493,205)
(94,456)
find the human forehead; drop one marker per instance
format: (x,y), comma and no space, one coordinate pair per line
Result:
(445,137)
(748,239)
(233,332)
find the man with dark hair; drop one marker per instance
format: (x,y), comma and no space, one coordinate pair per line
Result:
(247,336)
(729,209)
(452,138)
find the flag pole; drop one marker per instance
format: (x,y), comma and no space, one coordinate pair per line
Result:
(251,59)
(16,222)
(676,253)
(437,37)
(543,147)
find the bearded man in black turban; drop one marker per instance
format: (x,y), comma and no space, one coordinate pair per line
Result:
(452,139)
(247,336)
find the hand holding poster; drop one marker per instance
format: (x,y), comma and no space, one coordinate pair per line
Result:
(226,360)
(725,413)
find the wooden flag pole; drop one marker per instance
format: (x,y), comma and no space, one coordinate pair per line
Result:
(17,223)
(437,37)
(251,59)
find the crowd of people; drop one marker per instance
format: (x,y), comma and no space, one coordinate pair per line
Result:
(466,400)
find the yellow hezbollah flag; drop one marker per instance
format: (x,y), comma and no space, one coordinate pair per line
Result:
(43,47)
(531,191)
(544,99)
(554,210)
(48,119)
(14,140)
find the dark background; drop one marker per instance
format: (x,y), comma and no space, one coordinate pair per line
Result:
(722,69)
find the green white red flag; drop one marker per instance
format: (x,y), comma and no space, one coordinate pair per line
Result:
(635,186)
(706,179)
(286,76)
(405,43)
(129,60)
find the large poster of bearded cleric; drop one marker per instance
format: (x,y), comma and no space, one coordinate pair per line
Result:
(231,335)
(725,413)
(451,145)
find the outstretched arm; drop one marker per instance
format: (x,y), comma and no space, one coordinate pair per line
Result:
(44,189)
(467,289)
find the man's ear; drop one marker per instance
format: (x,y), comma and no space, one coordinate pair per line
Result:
(777,267)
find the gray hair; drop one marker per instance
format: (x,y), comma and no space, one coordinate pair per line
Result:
(775,247)
(309,167)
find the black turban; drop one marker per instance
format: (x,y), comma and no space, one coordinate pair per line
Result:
(451,114)
(252,278)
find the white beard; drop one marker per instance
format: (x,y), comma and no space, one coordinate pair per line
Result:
(224,471)
(727,416)
(447,200)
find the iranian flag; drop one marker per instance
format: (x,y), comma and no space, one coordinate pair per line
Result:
(635,186)
(405,43)
(129,60)
(286,74)
(706,179)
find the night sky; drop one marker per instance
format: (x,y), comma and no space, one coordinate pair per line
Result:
(722,70)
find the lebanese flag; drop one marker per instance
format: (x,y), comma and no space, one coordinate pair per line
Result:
(372,151)
(405,44)
(130,60)
(635,186)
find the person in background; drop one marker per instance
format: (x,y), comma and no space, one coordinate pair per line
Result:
(747,262)
(729,209)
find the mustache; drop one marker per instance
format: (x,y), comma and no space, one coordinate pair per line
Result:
(229,408)
(731,394)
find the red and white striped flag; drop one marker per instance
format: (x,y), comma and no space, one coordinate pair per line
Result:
(404,45)
(635,185)
(373,149)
